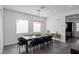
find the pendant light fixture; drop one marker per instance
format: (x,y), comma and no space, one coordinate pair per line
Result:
(38,18)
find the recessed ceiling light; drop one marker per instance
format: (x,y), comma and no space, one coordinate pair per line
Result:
(42,7)
(70,6)
(55,11)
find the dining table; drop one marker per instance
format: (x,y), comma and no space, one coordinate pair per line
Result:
(29,38)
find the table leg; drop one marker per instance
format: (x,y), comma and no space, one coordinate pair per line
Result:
(27,47)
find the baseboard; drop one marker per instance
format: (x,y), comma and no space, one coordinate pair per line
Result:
(75,37)
(10,45)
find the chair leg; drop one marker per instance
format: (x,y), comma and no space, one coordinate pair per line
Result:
(19,49)
(52,42)
(17,46)
(40,46)
(47,43)
(34,48)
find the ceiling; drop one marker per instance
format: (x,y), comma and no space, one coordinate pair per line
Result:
(45,10)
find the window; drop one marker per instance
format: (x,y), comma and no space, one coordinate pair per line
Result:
(36,26)
(77,26)
(22,26)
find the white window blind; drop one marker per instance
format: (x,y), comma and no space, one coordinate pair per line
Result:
(36,26)
(22,26)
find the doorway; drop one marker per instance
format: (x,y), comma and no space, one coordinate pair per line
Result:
(69,30)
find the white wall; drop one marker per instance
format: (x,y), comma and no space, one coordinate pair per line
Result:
(1,35)
(53,24)
(57,23)
(10,17)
